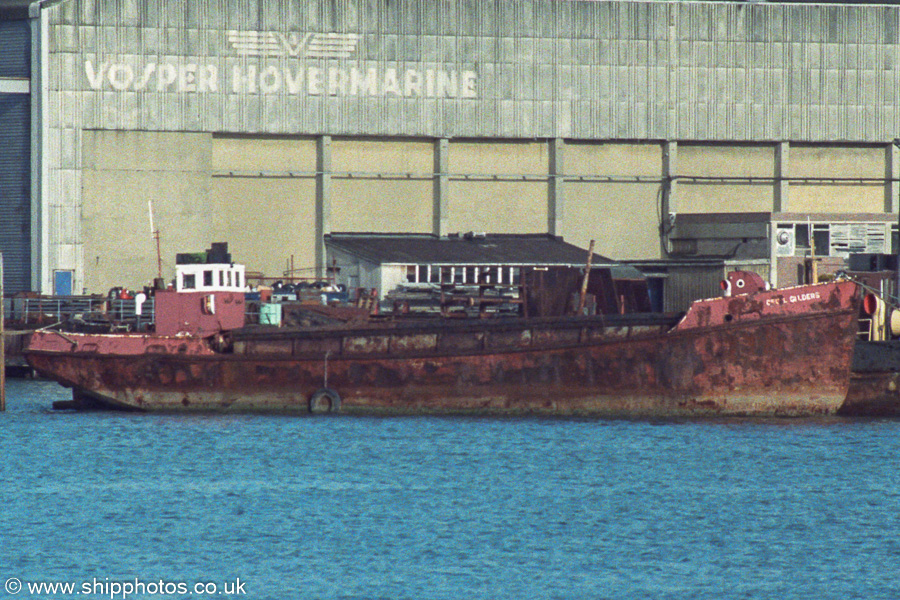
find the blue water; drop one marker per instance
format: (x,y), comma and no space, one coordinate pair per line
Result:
(435,508)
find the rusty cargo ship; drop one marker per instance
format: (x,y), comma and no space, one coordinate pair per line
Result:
(755,352)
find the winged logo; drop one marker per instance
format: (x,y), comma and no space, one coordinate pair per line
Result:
(297,45)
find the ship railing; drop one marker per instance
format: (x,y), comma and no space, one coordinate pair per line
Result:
(44,311)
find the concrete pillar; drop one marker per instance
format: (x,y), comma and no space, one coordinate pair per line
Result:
(441,194)
(892,174)
(40,159)
(323,200)
(782,173)
(555,198)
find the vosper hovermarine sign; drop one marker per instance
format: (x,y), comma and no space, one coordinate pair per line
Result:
(276,72)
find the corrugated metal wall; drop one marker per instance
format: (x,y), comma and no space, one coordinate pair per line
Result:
(524,69)
(15,159)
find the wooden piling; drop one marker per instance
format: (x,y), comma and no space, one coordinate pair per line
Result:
(584,282)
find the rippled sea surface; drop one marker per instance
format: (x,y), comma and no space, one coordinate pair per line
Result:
(433,508)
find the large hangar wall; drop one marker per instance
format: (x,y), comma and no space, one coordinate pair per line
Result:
(268,123)
(467,68)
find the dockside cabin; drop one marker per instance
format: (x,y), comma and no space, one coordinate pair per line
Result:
(546,264)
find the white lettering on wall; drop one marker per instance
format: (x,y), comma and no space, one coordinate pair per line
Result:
(260,75)
(363,84)
(121,77)
(274,79)
(314,81)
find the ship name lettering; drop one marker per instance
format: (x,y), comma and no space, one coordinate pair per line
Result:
(806,297)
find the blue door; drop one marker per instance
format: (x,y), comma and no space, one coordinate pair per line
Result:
(62,283)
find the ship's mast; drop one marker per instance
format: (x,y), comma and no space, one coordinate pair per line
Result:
(154,233)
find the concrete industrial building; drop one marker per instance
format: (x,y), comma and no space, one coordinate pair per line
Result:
(271,123)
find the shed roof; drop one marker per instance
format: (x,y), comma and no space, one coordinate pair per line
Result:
(463,249)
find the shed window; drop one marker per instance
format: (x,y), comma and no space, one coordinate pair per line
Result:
(822,238)
(801,237)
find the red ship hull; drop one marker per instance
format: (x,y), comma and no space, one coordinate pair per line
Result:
(776,353)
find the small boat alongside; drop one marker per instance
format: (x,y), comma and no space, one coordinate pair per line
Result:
(875,377)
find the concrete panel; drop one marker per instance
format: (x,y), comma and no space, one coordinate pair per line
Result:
(118,246)
(711,160)
(836,198)
(382,185)
(717,161)
(381,206)
(864,162)
(498,206)
(145,151)
(266,221)
(714,198)
(498,158)
(243,153)
(620,217)
(837,161)
(265,214)
(613,159)
(385,156)
(498,187)
(122,171)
